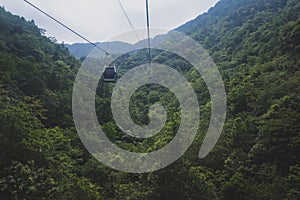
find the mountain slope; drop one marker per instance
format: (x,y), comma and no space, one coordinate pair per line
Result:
(39,148)
(256,46)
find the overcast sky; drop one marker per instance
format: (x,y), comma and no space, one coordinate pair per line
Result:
(100,20)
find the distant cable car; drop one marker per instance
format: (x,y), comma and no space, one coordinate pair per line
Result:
(110,73)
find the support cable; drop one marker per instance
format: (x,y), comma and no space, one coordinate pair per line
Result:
(65,26)
(128,19)
(148,36)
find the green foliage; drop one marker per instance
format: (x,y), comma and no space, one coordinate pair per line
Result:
(293,183)
(255,44)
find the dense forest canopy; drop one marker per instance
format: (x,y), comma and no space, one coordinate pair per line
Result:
(255,44)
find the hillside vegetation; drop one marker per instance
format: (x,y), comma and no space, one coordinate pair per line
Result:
(255,44)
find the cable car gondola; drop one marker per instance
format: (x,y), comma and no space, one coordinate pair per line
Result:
(110,73)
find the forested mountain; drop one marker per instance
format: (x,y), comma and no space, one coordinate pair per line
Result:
(81,50)
(255,44)
(39,147)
